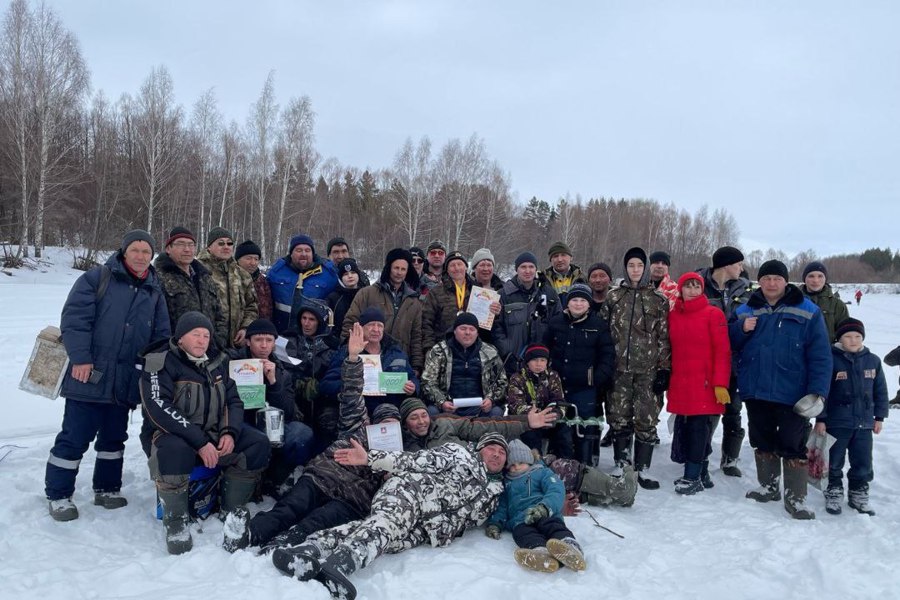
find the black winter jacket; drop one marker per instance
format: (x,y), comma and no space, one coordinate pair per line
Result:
(582,351)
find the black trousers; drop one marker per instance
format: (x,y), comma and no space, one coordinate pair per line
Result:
(537,534)
(175,457)
(776,428)
(695,433)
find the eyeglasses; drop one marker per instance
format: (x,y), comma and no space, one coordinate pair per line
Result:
(436,252)
(418,261)
(228,243)
(184,245)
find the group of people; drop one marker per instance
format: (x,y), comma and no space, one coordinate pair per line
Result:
(564,349)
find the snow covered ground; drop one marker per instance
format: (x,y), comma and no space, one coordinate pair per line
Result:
(715,544)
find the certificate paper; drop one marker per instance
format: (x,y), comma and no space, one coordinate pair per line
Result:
(247,375)
(467,402)
(281,352)
(392,383)
(385,436)
(480,302)
(371,374)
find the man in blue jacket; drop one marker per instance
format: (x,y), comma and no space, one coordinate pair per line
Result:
(783,354)
(301,274)
(111,314)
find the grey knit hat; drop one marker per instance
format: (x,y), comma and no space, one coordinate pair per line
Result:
(480,255)
(137,235)
(216,233)
(192,320)
(519,453)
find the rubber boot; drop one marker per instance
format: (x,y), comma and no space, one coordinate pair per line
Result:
(335,572)
(235,493)
(795,472)
(176,518)
(768,473)
(622,441)
(859,500)
(731,449)
(643,456)
(705,479)
(833,497)
(602,489)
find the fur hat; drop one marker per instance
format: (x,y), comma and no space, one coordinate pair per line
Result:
(849,325)
(216,233)
(247,248)
(559,248)
(192,320)
(726,255)
(137,235)
(517,452)
(813,267)
(773,267)
(301,239)
(660,256)
(385,411)
(412,278)
(260,327)
(492,438)
(408,406)
(526,257)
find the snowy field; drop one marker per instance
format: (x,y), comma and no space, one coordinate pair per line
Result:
(713,545)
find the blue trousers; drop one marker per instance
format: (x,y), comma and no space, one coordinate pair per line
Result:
(82,423)
(858,444)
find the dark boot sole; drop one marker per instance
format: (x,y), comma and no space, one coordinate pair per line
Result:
(648,484)
(833,511)
(302,566)
(337,583)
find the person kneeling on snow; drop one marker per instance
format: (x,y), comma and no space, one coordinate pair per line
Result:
(530,507)
(432,496)
(197,418)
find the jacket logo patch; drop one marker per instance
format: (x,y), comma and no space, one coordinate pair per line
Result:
(840,376)
(869,373)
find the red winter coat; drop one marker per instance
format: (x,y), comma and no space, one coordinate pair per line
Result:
(701,357)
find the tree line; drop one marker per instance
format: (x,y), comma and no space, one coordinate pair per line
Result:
(78,168)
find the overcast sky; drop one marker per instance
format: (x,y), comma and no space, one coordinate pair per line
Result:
(785,113)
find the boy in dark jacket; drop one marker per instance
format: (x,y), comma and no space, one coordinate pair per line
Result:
(530,507)
(538,386)
(856,406)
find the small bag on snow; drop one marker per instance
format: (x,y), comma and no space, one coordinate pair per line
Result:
(818,447)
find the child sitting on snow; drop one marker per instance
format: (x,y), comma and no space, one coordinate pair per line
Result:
(531,507)
(856,406)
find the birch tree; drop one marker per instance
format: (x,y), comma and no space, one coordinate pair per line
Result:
(205,125)
(295,148)
(157,132)
(260,133)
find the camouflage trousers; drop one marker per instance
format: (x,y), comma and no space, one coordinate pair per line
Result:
(391,527)
(633,405)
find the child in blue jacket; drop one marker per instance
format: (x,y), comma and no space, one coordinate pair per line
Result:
(531,507)
(856,406)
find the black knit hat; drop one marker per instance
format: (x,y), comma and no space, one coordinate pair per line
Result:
(416,252)
(137,235)
(261,327)
(849,325)
(726,255)
(370,315)
(813,267)
(336,241)
(526,257)
(579,290)
(637,253)
(348,265)
(455,255)
(536,351)
(192,320)
(602,266)
(247,248)
(408,406)
(465,318)
(660,256)
(178,233)
(385,411)
(216,233)
(772,267)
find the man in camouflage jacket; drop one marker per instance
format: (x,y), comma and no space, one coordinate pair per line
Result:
(234,285)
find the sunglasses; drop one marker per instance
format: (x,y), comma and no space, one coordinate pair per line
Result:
(437,252)
(228,243)
(418,261)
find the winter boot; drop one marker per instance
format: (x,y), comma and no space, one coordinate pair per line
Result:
(690,484)
(895,401)
(643,455)
(176,518)
(731,449)
(705,479)
(236,533)
(568,552)
(795,489)
(768,473)
(833,497)
(110,500)
(302,562)
(622,441)
(536,559)
(235,493)
(607,440)
(335,572)
(63,510)
(859,500)
(602,489)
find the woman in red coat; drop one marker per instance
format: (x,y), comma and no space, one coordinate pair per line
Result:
(701,367)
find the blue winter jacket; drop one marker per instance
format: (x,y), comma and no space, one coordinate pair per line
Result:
(319,280)
(393,360)
(858,395)
(788,355)
(130,315)
(537,485)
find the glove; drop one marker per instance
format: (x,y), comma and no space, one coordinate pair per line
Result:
(536,513)
(661,381)
(492,531)
(722,396)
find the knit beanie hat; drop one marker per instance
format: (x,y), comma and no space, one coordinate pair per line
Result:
(492,438)
(178,233)
(559,248)
(336,241)
(370,314)
(260,327)
(465,318)
(348,265)
(416,252)
(517,452)
(385,411)
(773,267)
(192,320)
(216,233)
(137,235)
(690,275)
(637,253)
(526,257)
(600,265)
(437,245)
(813,267)
(408,406)
(660,256)
(247,248)
(301,239)
(726,255)
(536,351)
(849,325)
(579,290)
(455,255)
(480,255)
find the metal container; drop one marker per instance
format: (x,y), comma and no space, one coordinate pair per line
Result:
(271,419)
